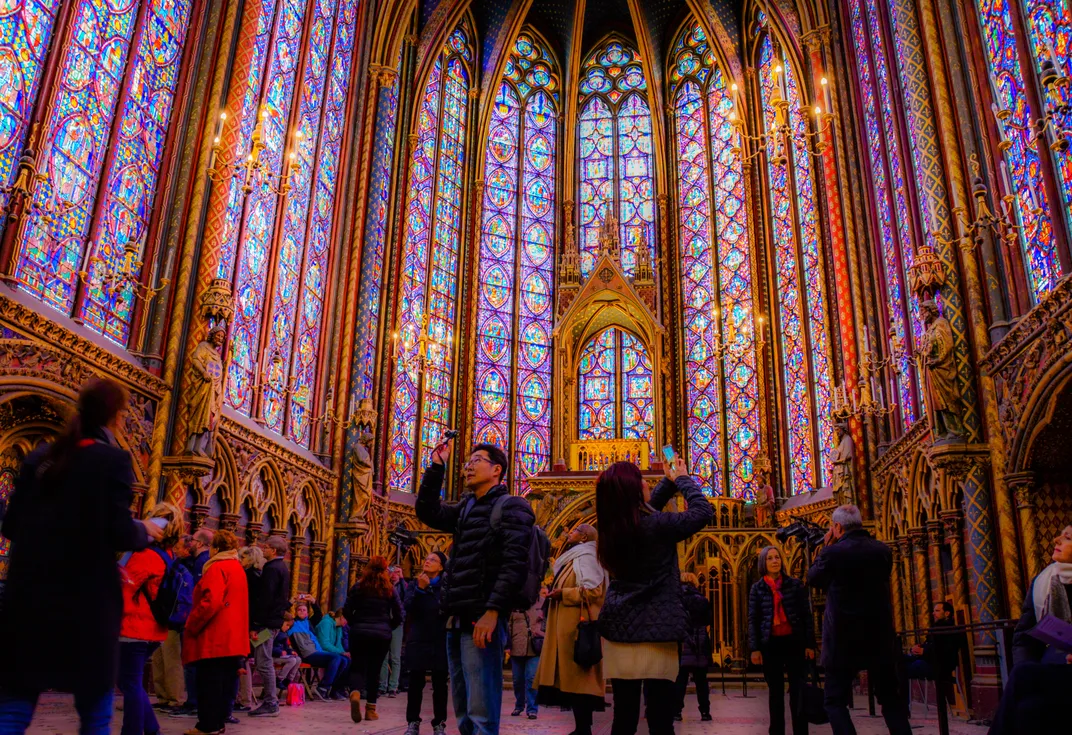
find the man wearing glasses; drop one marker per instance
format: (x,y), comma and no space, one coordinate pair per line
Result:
(487,566)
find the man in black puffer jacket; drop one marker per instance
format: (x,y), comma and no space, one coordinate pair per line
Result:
(269,601)
(486,568)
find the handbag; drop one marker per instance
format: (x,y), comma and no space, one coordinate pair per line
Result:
(295,695)
(588,648)
(812,706)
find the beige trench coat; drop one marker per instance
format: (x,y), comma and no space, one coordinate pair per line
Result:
(557,668)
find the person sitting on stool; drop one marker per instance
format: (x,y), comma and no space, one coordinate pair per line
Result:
(940,653)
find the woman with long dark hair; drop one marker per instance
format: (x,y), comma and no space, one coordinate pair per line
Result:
(69,515)
(373,610)
(643,618)
(781,635)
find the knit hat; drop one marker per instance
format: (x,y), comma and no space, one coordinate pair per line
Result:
(442,558)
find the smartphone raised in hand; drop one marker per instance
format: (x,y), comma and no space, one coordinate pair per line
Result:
(669,453)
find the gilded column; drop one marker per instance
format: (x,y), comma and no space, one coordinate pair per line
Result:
(296,545)
(953,524)
(319,549)
(1022,485)
(895,582)
(934,538)
(907,586)
(918,537)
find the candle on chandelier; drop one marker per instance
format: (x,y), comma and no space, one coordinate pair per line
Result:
(824,84)
(997,117)
(736,94)
(1006,181)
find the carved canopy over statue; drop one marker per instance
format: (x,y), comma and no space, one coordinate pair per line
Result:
(205,394)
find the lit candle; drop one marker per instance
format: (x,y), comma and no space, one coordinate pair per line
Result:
(736,94)
(997,117)
(1006,181)
(824,83)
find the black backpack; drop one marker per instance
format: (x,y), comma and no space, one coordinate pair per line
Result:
(174,600)
(539,554)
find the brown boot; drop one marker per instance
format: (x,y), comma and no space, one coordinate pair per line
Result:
(355,706)
(370,712)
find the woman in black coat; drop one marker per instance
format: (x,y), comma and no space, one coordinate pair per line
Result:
(781,635)
(373,611)
(696,648)
(426,644)
(63,605)
(643,618)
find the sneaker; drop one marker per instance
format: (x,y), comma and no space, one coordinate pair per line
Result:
(240,707)
(184,711)
(440,729)
(705,717)
(392,693)
(413,728)
(531,715)
(517,711)
(338,697)
(266,710)
(232,720)
(324,692)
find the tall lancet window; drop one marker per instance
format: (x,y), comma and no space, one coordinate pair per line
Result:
(616,394)
(721,390)
(890,170)
(423,357)
(1049,27)
(801,319)
(615,153)
(513,359)
(102,133)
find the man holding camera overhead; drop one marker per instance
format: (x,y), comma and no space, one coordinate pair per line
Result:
(486,567)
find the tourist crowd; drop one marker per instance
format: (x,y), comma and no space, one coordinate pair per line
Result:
(214,618)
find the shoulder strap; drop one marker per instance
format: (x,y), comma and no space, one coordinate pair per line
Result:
(497,511)
(164,556)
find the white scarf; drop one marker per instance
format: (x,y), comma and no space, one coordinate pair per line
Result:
(1041,591)
(585,565)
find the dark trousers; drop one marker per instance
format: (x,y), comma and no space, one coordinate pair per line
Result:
(366,658)
(838,693)
(661,703)
(582,718)
(216,679)
(703,691)
(138,715)
(415,695)
(783,658)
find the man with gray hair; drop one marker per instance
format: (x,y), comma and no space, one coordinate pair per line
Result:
(269,600)
(854,570)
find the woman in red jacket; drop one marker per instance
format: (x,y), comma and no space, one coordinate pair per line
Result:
(139,633)
(216,637)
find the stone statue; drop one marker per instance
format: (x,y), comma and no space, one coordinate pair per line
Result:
(206,394)
(361,476)
(764,499)
(841,461)
(940,370)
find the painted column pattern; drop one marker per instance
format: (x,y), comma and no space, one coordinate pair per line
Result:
(918,538)
(953,524)
(1022,485)
(934,538)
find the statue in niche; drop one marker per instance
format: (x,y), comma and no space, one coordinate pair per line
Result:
(362,472)
(841,458)
(940,371)
(206,393)
(765,505)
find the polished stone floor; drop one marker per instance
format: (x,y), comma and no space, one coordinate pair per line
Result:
(732,714)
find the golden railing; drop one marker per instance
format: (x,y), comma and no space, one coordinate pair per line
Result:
(598,454)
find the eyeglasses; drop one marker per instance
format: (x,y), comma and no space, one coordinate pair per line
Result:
(472,461)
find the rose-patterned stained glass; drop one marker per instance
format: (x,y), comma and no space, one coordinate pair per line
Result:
(1049,25)
(803,349)
(26,28)
(890,195)
(615,153)
(370,295)
(616,394)
(716,272)
(289,259)
(245,97)
(247,366)
(427,309)
(130,182)
(1022,160)
(74,142)
(7,486)
(513,362)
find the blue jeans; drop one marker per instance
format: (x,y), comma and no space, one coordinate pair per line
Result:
(94,712)
(138,716)
(476,680)
(334,665)
(524,668)
(392,663)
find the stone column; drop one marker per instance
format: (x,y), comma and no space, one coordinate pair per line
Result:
(735,605)
(907,585)
(953,524)
(228,522)
(1022,485)
(319,550)
(895,584)
(198,514)
(296,545)
(918,537)
(253,532)
(934,538)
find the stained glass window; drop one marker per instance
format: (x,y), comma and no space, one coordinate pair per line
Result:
(716,273)
(423,344)
(1021,159)
(616,396)
(99,78)
(890,192)
(616,163)
(513,361)
(799,280)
